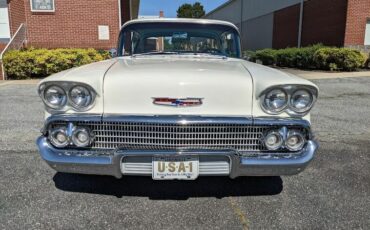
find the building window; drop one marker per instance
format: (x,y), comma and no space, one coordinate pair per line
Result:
(367,33)
(42,5)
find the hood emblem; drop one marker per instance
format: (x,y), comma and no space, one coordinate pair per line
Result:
(178,102)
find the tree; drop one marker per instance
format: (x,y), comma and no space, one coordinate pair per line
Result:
(198,10)
(191,11)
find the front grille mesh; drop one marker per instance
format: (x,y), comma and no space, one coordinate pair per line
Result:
(154,136)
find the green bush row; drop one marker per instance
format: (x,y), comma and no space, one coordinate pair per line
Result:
(311,57)
(37,63)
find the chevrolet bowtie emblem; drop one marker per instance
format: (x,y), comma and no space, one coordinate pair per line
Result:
(177,102)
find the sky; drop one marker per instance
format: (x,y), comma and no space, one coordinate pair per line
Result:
(152,7)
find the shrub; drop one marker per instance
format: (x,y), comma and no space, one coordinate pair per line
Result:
(301,58)
(249,55)
(314,57)
(36,63)
(287,57)
(266,56)
(339,59)
(367,64)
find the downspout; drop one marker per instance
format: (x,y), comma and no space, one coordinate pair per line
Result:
(300,24)
(241,20)
(130,9)
(119,14)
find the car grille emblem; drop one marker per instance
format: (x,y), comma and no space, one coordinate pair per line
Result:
(177,102)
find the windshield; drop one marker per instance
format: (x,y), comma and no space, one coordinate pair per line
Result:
(179,38)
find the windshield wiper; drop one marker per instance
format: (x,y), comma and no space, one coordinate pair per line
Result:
(179,53)
(156,53)
(206,54)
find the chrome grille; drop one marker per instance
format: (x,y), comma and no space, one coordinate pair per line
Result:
(156,136)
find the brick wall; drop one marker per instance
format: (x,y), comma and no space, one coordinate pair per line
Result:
(357,15)
(73,24)
(286,24)
(1,73)
(16,14)
(324,21)
(2,46)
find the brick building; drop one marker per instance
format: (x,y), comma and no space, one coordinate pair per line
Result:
(64,23)
(291,23)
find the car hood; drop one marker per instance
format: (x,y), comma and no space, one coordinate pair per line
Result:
(224,85)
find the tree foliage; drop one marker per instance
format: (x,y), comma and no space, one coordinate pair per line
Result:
(191,11)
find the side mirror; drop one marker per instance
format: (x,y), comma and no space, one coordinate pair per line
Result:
(113,52)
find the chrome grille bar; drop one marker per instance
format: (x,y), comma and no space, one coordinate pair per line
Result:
(156,136)
(177,132)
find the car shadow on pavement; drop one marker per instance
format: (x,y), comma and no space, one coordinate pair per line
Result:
(218,187)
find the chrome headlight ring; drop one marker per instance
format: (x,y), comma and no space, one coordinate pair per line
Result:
(275,101)
(300,99)
(54,97)
(78,96)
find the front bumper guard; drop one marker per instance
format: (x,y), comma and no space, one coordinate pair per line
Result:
(100,164)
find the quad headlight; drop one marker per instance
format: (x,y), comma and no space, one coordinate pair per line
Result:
(55,97)
(275,100)
(80,97)
(296,100)
(71,135)
(273,140)
(295,140)
(81,137)
(61,96)
(301,101)
(285,139)
(59,137)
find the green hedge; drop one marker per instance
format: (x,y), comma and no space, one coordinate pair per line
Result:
(37,63)
(312,57)
(335,59)
(367,64)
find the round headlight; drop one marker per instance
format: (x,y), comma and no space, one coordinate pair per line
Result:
(301,101)
(80,97)
(55,97)
(295,141)
(59,137)
(273,140)
(81,137)
(275,101)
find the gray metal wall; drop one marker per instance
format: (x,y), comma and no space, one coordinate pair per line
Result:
(257,33)
(255,19)
(3,4)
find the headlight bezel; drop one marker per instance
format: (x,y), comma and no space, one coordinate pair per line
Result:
(75,105)
(48,103)
(269,110)
(290,90)
(67,87)
(307,108)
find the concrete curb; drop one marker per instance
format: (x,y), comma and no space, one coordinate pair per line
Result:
(19,82)
(315,75)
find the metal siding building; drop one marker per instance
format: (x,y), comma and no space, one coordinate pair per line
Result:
(291,23)
(254,18)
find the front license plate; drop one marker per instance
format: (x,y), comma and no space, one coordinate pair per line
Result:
(175,168)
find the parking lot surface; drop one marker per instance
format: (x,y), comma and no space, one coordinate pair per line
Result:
(334,192)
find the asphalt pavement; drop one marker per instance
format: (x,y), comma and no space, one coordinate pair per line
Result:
(333,193)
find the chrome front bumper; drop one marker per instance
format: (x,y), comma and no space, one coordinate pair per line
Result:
(96,163)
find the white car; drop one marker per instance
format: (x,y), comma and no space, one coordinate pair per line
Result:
(177,102)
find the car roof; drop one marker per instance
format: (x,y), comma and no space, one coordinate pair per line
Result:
(180,20)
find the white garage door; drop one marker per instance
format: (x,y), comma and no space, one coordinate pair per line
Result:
(4,20)
(367,35)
